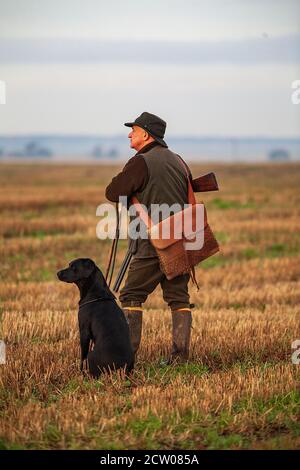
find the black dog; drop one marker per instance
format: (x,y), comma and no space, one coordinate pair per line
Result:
(101,320)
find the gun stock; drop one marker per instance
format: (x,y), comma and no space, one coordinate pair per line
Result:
(205,183)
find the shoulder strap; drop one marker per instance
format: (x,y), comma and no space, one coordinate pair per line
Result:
(191,195)
(142,213)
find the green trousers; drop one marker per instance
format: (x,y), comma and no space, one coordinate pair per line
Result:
(143,277)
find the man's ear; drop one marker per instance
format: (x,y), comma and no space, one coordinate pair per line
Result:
(88,267)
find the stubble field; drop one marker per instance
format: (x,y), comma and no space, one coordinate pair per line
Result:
(240,388)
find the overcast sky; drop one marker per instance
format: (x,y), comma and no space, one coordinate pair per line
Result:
(215,67)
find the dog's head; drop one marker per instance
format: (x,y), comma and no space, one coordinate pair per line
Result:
(84,273)
(78,269)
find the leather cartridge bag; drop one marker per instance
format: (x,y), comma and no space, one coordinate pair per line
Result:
(183,239)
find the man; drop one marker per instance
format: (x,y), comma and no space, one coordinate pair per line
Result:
(155,175)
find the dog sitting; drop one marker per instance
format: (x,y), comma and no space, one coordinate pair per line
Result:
(101,320)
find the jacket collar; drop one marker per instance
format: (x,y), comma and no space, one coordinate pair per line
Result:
(148,147)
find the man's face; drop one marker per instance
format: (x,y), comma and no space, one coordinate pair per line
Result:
(138,138)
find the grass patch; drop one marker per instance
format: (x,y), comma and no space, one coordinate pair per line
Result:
(145,426)
(10,446)
(29,215)
(46,275)
(215,440)
(52,435)
(214,262)
(249,253)
(164,374)
(237,306)
(288,403)
(277,250)
(222,237)
(224,204)
(37,234)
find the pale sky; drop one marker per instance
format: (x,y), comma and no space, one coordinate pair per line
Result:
(171,20)
(215,67)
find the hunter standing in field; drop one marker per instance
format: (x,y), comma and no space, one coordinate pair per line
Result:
(154,175)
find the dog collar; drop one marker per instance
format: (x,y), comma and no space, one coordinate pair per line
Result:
(94,300)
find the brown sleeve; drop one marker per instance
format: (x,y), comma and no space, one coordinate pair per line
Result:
(131,179)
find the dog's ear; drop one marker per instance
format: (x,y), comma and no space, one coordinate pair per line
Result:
(88,266)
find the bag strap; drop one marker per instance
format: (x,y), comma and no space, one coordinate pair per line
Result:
(192,200)
(191,195)
(193,276)
(142,213)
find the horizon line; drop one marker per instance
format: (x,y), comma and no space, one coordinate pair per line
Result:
(180,136)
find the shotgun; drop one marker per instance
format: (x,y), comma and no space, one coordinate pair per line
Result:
(130,252)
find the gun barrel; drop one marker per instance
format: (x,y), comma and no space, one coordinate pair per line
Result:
(122,271)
